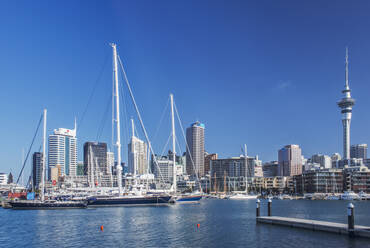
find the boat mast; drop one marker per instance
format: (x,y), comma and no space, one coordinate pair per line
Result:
(173,146)
(42,196)
(118,143)
(246,168)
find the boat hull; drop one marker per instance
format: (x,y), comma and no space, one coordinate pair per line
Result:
(189,199)
(128,201)
(46,205)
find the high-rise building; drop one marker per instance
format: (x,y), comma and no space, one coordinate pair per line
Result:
(3,178)
(207,161)
(95,164)
(359,151)
(323,160)
(195,149)
(110,161)
(290,160)
(63,151)
(36,169)
(137,156)
(80,168)
(346,104)
(270,169)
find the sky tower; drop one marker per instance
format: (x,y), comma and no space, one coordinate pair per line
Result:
(346,104)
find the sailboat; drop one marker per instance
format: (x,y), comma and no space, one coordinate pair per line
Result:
(134,198)
(182,198)
(42,203)
(244,195)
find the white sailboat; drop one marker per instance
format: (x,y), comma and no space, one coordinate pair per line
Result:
(244,195)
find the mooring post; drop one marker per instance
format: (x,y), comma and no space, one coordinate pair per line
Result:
(269,207)
(258,205)
(351,219)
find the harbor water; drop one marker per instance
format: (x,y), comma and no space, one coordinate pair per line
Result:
(222,223)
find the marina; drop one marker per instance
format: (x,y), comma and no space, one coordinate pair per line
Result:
(222,223)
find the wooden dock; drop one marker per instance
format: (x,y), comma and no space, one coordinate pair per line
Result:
(315,225)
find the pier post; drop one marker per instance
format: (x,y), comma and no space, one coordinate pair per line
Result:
(269,207)
(351,220)
(258,205)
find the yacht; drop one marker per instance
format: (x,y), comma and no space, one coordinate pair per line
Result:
(349,196)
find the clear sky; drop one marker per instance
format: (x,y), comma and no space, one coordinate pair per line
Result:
(264,73)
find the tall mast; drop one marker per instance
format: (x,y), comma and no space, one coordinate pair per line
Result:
(246,168)
(118,143)
(173,145)
(43,159)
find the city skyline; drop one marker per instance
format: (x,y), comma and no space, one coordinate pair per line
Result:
(276,107)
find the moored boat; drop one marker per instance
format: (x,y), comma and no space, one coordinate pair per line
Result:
(242,197)
(115,201)
(46,205)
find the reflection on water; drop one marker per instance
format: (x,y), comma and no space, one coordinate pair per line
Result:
(223,223)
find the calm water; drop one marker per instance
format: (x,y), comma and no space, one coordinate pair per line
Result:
(223,223)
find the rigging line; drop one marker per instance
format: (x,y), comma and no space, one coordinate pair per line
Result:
(123,100)
(103,121)
(93,91)
(139,115)
(187,146)
(165,146)
(161,120)
(29,150)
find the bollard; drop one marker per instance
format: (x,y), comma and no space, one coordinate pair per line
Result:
(351,220)
(258,204)
(269,207)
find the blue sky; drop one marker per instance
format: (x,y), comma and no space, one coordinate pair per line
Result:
(265,73)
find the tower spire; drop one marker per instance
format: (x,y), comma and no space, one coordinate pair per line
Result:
(346,104)
(346,86)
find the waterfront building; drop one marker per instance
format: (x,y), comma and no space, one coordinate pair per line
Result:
(357,179)
(270,169)
(319,181)
(63,151)
(359,151)
(207,161)
(137,156)
(230,174)
(275,184)
(95,164)
(36,169)
(323,160)
(195,149)
(346,104)
(3,178)
(290,160)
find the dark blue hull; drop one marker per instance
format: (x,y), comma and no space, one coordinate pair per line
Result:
(185,199)
(128,201)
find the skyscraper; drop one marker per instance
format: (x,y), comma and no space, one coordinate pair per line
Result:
(137,156)
(95,164)
(346,104)
(290,161)
(63,151)
(359,151)
(36,169)
(195,149)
